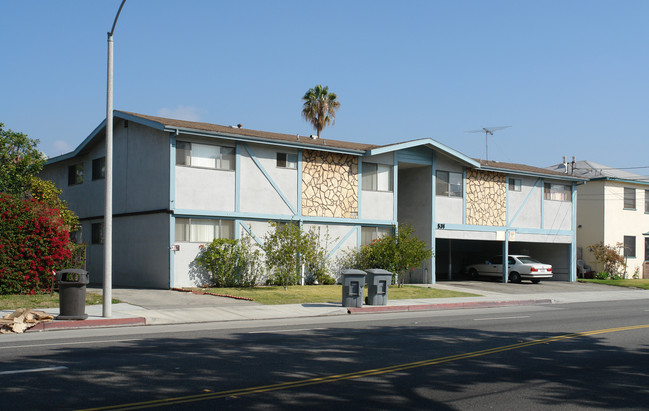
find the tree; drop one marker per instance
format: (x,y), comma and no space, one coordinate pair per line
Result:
(20,161)
(320,107)
(608,256)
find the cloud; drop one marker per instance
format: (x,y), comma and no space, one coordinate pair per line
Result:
(60,147)
(188,113)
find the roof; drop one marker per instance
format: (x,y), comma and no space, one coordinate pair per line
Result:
(591,170)
(525,170)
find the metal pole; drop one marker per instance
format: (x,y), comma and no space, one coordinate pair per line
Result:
(108,209)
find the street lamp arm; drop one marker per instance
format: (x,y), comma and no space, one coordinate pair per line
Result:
(110,33)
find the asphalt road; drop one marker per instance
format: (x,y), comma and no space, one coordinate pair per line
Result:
(569,356)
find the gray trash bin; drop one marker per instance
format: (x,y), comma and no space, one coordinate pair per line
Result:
(72,294)
(353,284)
(378,282)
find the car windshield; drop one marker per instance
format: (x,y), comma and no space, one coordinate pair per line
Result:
(528,260)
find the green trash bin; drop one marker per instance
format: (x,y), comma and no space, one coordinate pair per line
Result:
(72,294)
(353,284)
(378,283)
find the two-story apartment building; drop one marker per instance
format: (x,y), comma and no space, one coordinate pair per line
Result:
(613,208)
(179,184)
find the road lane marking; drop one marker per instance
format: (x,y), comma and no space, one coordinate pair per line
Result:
(358,374)
(59,368)
(68,343)
(500,318)
(285,331)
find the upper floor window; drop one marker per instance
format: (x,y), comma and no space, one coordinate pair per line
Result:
(97,233)
(514,184)
(629,246)
(646,201)
(629,198)
(99,168)
(204,156)
(201,230)
(558,192)
(287,160)
(75,174)
(377,177)
(369,234)
(449,184)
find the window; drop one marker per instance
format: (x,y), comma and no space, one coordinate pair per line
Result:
(99,168)
(197,230)
(75,174)
(369,234)
(557,192)
(97,233)
(629,246)
(377,177)
(514,184)
(449,184)
(646,201)
(204,156)
(646,249)
(286,160)
(629,198)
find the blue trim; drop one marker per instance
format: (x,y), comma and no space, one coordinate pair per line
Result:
(620,180)
(360,187)
(172,172)
(429,142)
(237,232)
(507,200)
(463,195)
(340,243)
(237,178)
(359,238)
(270,180)
(502,170)
(529,195)
(433,219)
(251,234)
(573,248)
(542,203)
(276,217)
(80,147)
(299,182)
(172,254)
(492,229)
(505,255)
(395,187)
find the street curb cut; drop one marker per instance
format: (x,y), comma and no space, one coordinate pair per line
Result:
(92,323)
(444,306)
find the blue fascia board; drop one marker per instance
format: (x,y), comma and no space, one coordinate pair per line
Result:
(257,140)
(620,180)
(80,147)
(530,174)
(425,142)
(135,119)
(520,230)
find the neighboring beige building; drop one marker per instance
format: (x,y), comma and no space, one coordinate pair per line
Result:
(613,207)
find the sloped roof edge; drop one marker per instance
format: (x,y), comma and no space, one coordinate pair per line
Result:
(429,142)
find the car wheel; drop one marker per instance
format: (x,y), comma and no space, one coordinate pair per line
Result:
(514,277)
(536,281)
(473,273)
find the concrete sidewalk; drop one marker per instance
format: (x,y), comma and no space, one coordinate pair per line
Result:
(154,307)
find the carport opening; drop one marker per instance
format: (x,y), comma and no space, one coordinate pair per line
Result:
(452,256)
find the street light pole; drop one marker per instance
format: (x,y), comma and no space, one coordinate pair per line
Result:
(108,209)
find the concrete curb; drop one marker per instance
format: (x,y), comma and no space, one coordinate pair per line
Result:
(91,323)
(444,306)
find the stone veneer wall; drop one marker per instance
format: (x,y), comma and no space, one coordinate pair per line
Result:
(486,198)
(329,184)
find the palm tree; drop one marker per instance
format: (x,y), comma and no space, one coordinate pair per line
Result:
(320,107)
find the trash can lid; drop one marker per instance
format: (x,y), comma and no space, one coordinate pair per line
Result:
(353,271)
(378,271)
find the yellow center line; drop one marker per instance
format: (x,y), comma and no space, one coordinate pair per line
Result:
(358,374)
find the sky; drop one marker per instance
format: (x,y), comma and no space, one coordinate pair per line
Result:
(570,77)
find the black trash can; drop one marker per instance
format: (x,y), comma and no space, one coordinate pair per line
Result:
(378,283)
(353,284)
(72,294)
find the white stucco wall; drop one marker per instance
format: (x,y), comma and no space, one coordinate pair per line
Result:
(377,205)
(530,215)
(204,189)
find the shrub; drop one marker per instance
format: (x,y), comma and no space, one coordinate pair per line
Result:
(608,256)
(230,263)
(602,275)
(33,242)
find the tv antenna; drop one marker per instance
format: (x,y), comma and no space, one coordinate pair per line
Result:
(487,131)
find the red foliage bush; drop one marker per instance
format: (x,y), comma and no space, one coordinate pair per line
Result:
(33,241)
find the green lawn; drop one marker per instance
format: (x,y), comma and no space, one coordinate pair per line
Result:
(13,302)
(644,284)
(325,293)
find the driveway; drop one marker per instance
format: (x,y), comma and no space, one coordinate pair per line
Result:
(161,299)
(491,287)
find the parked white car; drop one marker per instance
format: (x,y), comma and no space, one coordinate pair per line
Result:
(520,267)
